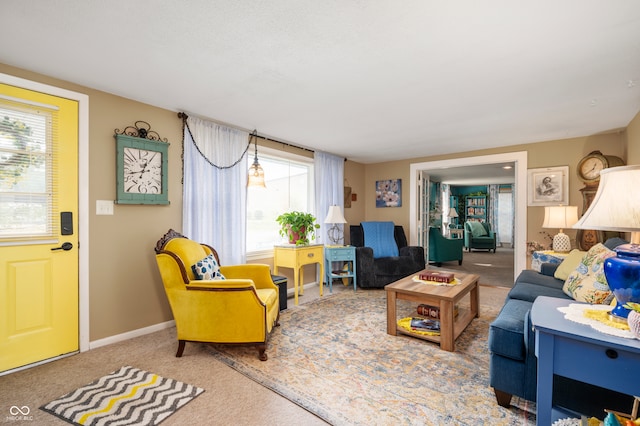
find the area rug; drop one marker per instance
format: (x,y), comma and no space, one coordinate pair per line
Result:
(125,397)
(334,358)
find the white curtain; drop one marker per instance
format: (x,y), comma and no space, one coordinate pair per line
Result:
(215,182)
(329,189)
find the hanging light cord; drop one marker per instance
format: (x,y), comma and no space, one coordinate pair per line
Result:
(253,134)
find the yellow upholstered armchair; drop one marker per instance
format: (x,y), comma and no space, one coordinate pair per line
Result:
(242,308)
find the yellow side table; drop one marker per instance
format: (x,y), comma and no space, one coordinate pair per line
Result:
(295,257)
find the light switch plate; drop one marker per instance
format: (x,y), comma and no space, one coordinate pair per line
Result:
(104,207)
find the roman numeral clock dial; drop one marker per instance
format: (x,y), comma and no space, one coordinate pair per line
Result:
(142,171)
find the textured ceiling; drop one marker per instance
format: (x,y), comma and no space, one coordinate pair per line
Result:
(369,80)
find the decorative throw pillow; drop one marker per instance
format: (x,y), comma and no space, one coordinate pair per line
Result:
(569,264)
(207,269)
(477,229)
(587,282)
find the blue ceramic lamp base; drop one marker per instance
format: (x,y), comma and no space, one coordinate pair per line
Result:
(623,276)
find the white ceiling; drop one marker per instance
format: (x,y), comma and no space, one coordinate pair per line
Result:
(370,80)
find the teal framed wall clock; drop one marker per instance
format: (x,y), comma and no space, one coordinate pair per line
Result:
(141,166)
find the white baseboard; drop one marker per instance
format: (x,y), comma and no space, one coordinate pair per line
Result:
(131,334)
(290,291)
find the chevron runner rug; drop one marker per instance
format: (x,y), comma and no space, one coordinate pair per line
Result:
(125,397)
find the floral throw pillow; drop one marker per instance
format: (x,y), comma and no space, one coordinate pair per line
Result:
(587,282)
(207,269)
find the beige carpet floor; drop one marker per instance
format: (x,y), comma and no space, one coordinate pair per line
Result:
(229,397)
(495,269)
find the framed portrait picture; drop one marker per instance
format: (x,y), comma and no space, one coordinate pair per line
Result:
(548,186)
(389,193)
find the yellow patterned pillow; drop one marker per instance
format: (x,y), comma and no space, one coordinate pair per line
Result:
(569,264)
(587,282)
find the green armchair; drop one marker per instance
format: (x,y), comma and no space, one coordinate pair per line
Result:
(479,235)
(443,249)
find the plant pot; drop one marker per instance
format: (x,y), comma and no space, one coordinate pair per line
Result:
(295,236)
(634,323)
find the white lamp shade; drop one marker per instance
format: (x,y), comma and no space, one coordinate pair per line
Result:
(616,206)
(560,216)
(334,215)
(453,212)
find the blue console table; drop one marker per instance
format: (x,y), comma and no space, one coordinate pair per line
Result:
(579,352)
(345,254)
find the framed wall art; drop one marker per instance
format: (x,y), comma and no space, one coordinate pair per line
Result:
(548,186)
(389,193)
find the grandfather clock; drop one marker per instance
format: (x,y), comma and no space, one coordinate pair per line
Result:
(589,169)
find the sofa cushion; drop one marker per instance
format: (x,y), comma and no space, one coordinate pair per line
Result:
(396,266)
(506,332)
(532,277)
(529,292)
(569,264)
(380,237)
(587,282)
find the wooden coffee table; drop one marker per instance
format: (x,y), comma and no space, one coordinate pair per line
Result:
(435,295)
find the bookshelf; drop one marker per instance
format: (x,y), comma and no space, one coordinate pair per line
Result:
(476,208)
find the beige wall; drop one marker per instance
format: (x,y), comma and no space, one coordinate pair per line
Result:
(633,141)
(124,285)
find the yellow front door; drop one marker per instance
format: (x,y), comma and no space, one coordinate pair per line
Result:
(38,227)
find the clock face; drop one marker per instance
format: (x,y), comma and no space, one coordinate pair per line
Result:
(142,171)
(590,168)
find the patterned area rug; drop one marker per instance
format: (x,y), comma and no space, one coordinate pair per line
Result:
(334,358)
(125,397)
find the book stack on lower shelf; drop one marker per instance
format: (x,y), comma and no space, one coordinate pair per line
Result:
(433,312)
(426,326)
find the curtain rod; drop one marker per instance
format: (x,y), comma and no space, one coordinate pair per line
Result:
(184,116)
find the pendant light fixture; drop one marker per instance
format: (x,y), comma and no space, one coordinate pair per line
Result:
(256,174)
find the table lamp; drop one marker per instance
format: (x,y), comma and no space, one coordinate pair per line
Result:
(616,207)
(452,215)
(334,216)
(560,217)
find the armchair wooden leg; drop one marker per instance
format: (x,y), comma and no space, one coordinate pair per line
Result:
(503,398)
(262,347)
(181,344)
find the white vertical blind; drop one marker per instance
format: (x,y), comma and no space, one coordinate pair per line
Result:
(28,173)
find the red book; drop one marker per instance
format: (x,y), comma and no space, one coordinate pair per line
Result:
(439,277)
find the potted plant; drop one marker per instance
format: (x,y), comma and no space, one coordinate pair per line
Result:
(298,227)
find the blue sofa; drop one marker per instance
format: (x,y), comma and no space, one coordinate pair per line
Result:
(512,361)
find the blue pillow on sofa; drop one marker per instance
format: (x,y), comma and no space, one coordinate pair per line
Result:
(379,236)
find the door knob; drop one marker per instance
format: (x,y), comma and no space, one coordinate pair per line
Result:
(65,246)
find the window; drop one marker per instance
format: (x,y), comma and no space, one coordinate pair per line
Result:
(289,181)
(26,176)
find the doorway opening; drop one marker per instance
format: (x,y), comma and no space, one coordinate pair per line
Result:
(519,160)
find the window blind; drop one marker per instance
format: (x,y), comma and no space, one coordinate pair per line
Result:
(28,170)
